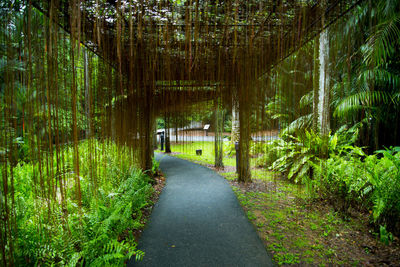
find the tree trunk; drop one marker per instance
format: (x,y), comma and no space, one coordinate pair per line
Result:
(147,146)
(396,140)
(244,174)
(88,100)
(235,119)
(167,136)
(176,130)
(218,142)
(375,125)
(324,78)
(154,131)
(315,125)
(146,132)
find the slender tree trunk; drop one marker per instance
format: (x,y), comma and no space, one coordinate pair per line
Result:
(324,78)
(375,126)
(218,142)
(148,149)
(396,140)
(154,131)
(375,121)
(146,130)
(176,130)
(87,93)
(167,136)
(244,174)
(315,125)
(235,119)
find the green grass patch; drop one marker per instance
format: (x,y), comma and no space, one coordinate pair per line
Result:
(293,233)
(187,151)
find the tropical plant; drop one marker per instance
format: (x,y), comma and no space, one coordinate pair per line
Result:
(369,86)
(266,152)
(97,234)
(341,179)
(384,179)
(155,170)
(297,154)
(354,179)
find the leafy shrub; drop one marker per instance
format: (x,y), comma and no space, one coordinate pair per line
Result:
(256,148)
(371,182)
(334,169)
(296,155)
(97,234)
(228,124)
(342,179)
(384,178)
(155,170)
(109,221)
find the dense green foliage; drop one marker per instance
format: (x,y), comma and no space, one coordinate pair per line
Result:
(97,234)
(359,180)
(352,167)
(343,174)
(364,70)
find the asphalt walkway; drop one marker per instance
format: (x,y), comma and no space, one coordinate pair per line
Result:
(198,222)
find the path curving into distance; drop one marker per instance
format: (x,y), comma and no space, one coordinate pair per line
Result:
(198,222)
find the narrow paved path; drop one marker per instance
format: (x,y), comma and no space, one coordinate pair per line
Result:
(198,222)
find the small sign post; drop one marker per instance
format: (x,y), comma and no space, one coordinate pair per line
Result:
(206,127)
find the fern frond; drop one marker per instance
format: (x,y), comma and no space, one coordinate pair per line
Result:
(299,124)
(307,99)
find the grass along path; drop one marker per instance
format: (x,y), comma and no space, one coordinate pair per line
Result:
(295,229)
(187,151)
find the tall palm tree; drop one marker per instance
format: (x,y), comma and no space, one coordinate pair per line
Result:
(373,82)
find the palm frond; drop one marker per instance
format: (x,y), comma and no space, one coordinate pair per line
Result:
(380,44)
(362,100)
(388,7)
(381,77)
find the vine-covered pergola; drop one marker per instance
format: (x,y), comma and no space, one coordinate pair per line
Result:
(168,55)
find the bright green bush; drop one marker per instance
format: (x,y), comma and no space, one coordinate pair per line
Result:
(370,182)
(97,234)
(296,155)
(334,169)
(342,179)
(384,179)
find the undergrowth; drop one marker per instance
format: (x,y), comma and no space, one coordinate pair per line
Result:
(333,169)
(100,232)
